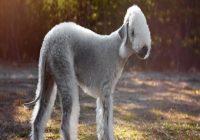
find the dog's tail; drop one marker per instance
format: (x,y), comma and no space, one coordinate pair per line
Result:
(41,73)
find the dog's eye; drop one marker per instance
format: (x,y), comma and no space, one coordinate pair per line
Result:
(132,33)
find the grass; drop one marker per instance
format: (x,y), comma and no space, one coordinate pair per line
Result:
(174,130)
(143,109)
(88,132)
(172,125)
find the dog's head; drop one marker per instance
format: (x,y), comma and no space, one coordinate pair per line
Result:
(135,34)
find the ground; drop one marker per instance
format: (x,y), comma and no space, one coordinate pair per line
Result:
(147,105)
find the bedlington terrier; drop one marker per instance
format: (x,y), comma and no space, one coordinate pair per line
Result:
(73,56)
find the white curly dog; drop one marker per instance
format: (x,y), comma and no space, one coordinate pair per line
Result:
(73,56)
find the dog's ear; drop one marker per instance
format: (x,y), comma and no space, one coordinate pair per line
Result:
(123,31)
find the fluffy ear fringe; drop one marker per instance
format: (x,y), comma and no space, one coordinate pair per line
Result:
(123,33)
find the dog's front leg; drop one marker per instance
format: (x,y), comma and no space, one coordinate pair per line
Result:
(104,117)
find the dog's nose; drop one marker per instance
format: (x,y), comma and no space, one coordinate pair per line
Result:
(142,53)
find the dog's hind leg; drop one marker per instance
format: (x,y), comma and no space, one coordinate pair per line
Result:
(68,91)
(70,111)
(43,107)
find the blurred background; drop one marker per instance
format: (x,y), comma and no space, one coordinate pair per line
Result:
(158,98)
(174,28)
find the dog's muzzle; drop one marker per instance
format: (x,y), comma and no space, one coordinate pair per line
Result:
(143,52)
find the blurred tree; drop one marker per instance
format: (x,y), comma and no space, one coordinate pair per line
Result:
(174,27)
